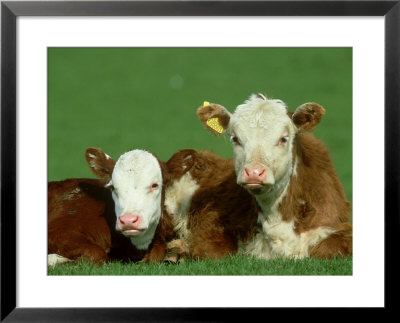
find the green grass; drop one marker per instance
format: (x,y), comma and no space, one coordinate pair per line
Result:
(231,265)
(124,98)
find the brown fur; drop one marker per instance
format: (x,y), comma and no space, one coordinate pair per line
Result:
(81,225)
(338,243)
(221,213)
(316,198)
(104,165)
(308,115)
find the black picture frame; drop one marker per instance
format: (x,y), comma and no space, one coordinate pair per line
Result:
(10,10)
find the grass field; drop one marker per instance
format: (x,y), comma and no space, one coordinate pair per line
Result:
(232,265)
(124,98)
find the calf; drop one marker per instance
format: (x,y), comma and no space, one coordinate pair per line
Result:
(120,216)
(303,208)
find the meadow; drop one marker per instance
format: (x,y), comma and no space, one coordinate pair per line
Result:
(228,266)
(120,99)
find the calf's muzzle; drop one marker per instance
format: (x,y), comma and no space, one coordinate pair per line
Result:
(129,223)
(254,176)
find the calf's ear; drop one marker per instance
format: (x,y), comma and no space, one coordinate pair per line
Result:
(181,162)
(307,116)
(214,117)
(99,163)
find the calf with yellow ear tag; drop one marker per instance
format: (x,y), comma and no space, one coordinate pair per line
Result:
(290,174)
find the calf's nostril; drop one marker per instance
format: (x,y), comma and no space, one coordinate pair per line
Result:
(254,173)
(128,218)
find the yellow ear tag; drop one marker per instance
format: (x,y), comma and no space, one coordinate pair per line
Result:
(206,103)
(214,124)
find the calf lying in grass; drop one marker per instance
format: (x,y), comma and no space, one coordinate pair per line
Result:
(120,216)
(303,210)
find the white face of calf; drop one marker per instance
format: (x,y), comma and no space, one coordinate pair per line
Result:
(262,133)
(136,184)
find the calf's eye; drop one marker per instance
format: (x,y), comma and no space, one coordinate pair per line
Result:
(235,140)
(283,140)
(153,187)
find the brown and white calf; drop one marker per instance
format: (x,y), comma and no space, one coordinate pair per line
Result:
(303,208)
(120,216)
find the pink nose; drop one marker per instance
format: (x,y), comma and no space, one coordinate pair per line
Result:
(254,175)
(129,221)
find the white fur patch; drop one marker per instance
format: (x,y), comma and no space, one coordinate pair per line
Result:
(312,237)
(73,195)
(178,197)
(54,259)
(278,239)
(257,112)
